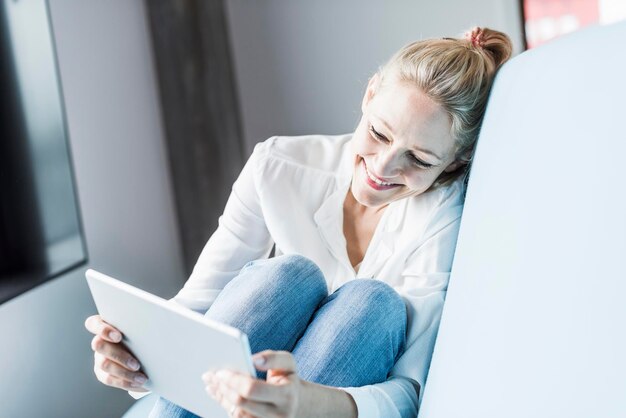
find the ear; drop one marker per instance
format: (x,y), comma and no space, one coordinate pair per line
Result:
(453,166)
(372,87)
(461,160)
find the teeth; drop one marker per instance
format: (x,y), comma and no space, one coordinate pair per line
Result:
(375,180)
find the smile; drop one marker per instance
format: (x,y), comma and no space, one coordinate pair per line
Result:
(375,182)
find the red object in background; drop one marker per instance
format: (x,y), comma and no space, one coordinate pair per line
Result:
(548,19)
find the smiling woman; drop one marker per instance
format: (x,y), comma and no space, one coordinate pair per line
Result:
(402,144)
(344,319)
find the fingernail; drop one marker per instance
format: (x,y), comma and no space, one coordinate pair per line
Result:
(115,336)
(259,361)
(136,385)
(140,379)
(133,364)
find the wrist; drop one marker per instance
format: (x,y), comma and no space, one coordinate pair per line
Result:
(351,404)
(319,401)
(304,399)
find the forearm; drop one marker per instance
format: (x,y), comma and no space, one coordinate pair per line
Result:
(318,401)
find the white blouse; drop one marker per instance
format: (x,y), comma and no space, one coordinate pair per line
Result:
(291,194)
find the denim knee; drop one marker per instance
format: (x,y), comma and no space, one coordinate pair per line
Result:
(272,301)
(382,302)
(356,336)
(370,290)
(289,272)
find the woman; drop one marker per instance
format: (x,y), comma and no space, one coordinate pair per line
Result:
(382,205)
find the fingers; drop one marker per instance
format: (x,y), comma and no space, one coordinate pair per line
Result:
(222,387)
(282,361)
(97,326)
(117,382)
(113,364)
(243,407)
(114,352)
(244,386)
(116,371)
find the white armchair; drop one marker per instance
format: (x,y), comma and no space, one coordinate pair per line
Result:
(534,323)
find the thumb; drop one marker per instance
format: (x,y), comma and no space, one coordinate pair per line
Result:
(275,360)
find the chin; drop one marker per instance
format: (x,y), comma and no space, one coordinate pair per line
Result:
(369,199)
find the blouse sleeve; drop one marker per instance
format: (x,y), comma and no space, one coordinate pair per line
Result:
(424,285)
(241,236)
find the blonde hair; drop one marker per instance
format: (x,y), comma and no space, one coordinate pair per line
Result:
(457,74)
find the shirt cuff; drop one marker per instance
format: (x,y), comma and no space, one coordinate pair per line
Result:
(138,395)
(365,402)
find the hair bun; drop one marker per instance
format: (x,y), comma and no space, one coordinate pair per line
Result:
(496,43)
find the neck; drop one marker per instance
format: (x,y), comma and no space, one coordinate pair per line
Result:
(352,205)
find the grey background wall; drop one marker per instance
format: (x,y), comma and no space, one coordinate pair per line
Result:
(301,67)
(127,209)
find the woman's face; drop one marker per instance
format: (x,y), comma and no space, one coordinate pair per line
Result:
(401,145)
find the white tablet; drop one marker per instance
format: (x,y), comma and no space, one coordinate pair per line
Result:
(174,345)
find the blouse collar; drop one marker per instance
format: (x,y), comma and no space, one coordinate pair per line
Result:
(329,220)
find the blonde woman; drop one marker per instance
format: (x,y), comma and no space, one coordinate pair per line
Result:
(343,320)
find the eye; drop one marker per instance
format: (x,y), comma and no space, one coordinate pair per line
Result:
(414,160)
(419,163)
(378,136)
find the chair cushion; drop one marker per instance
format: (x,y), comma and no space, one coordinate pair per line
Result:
(534,320)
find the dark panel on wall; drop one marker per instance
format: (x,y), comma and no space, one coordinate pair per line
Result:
(21,241)
(40,229)
(200,112)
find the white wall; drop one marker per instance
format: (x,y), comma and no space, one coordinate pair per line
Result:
(302,66)
(127,209)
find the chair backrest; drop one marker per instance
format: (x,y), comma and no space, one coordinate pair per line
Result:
(534,323)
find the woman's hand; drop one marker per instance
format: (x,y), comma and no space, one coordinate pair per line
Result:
(244,396)
(113,364)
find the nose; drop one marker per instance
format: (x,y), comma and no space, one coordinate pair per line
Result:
(388,163)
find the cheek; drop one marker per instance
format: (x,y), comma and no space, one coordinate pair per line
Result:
(362,144)
(421,180)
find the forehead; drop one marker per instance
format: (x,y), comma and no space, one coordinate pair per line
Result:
(411,118)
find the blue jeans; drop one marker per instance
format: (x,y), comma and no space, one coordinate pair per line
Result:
(350,338)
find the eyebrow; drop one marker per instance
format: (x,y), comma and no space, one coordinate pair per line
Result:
(425,151)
